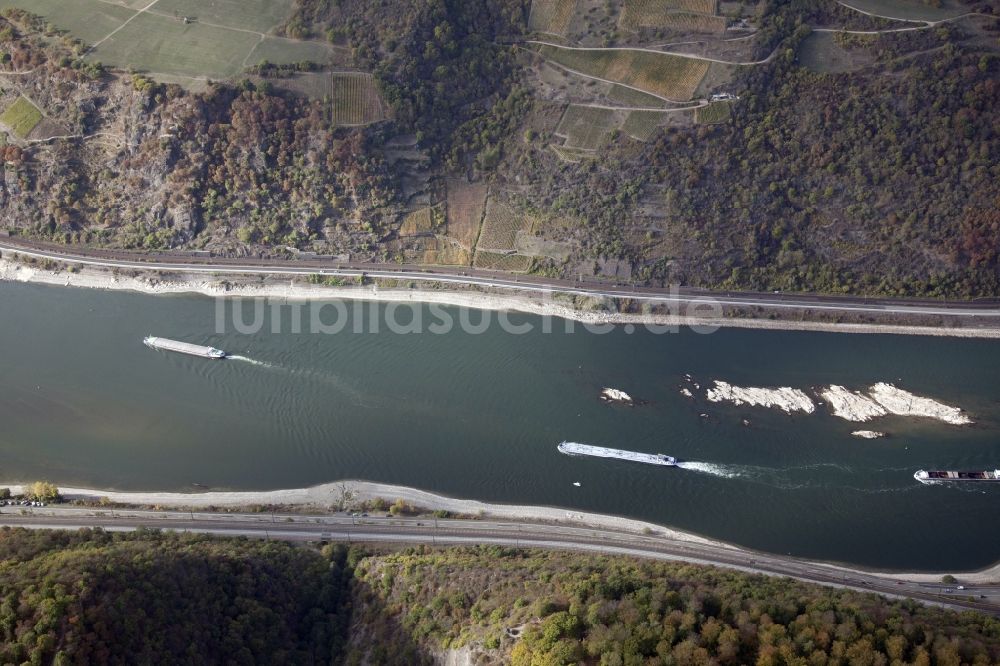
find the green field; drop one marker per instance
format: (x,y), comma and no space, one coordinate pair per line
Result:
(256,15)
(586,127)
(279,50)
(156,44)
(222,40)
(88,20)
(21,117)
(669,76)
(716,112)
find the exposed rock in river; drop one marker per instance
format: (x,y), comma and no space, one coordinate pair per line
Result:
(883,399)
(904,403)
(785,398)
(851,405)
(614,395)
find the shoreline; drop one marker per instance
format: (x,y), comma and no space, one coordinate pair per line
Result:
(326,495)
(292,290)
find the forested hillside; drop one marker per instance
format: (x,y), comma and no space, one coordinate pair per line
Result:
(93,597)
(804,145)
(146,598)
(538,608)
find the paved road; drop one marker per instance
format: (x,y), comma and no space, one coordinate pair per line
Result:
(382,528)
(975,313)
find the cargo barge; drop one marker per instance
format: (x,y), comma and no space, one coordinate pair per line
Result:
(575,449)
(939,476)
(165,344)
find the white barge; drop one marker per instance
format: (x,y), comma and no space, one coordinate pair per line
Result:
(575,449)
(165,344)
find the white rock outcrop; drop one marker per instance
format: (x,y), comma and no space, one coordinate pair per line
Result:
(851,405)
(883,399)
(903,403)
(614,395)
(785,398)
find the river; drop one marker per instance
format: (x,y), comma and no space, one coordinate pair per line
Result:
(479,415)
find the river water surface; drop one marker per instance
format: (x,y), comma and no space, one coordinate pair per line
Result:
(83,402)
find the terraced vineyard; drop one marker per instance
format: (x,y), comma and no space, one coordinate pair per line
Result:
(631,97)
(654,8)
(515,263)
(551,16)
(500,226)
(642,125)
(585,127)
(465,211)
(571,155)
(692,17)
(355,99)
(670,76)
(681,22)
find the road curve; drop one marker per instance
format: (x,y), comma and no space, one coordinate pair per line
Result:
(978,313)
(431,531)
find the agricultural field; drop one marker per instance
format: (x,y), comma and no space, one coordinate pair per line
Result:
(156,44)
(418,222)
(571,155)
(642,125)
(446,252)
(225,37)
(684,22)
(533,246)
(912,10)
(551,16)
(632,97)
(714,113)
(696,6)
(672,77)
(465,211)
(514,263)
(21,117)
(432,250)
(501,225)
(88,20)
(284,51)
(257,15)
(638,14)
(586,127)
(355,99)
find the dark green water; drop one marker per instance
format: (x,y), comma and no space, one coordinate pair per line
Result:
(82,401)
